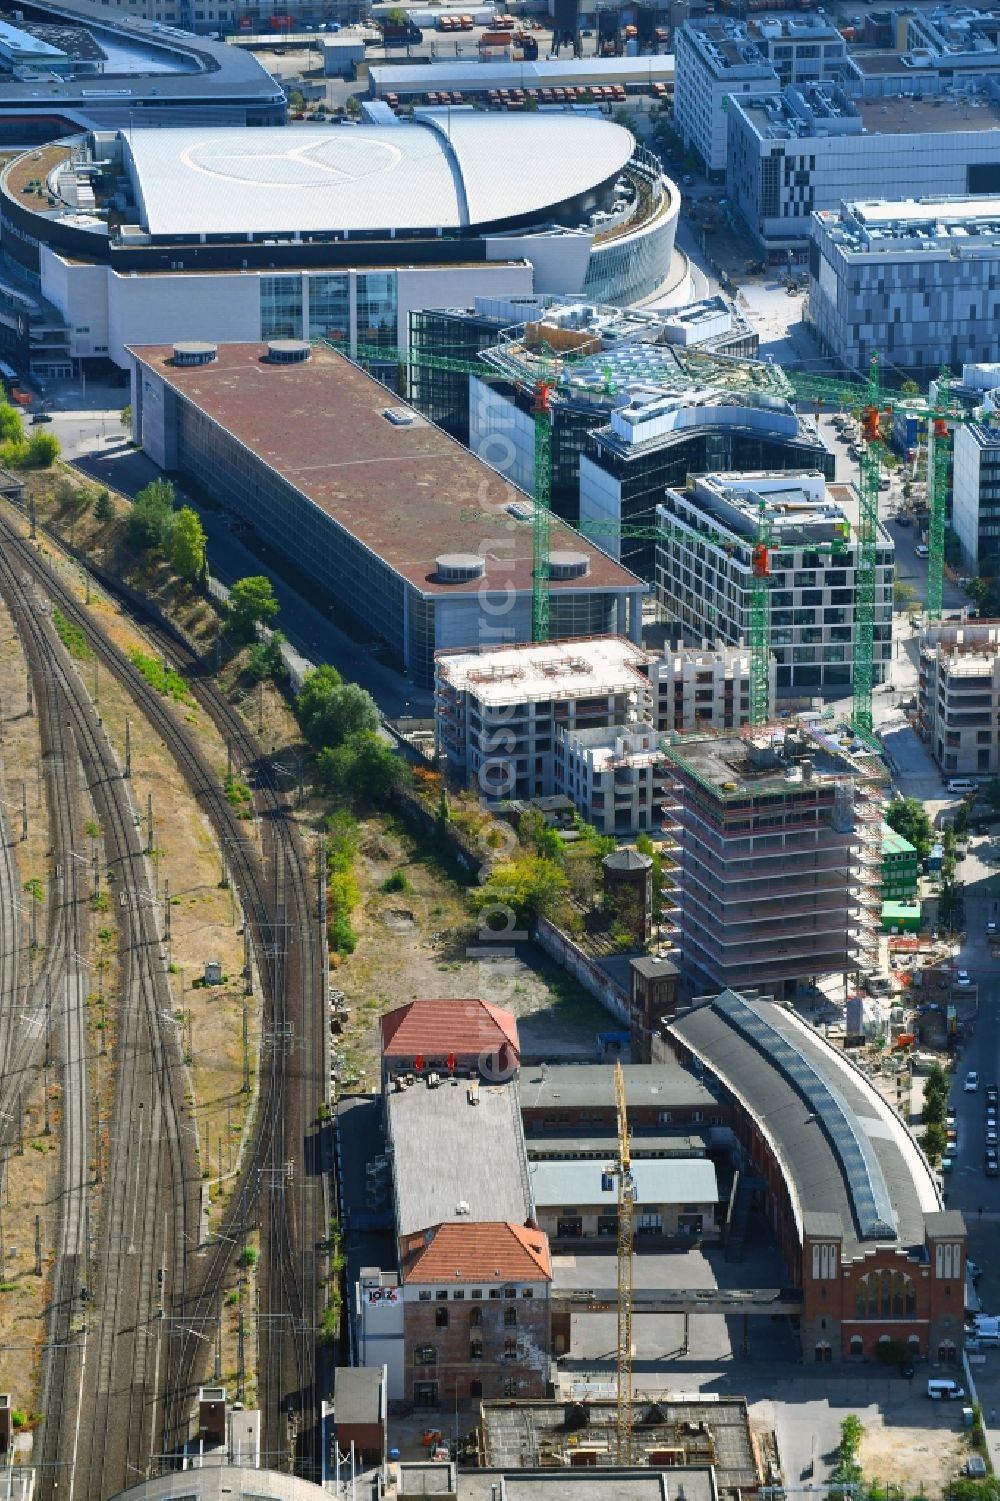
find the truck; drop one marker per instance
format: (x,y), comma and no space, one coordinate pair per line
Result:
(399,33)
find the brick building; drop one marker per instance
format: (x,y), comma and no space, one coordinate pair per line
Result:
(446,1036)
(853,1202)
(476,1311)
(580,1097)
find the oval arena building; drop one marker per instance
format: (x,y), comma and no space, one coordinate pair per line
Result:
(317,231)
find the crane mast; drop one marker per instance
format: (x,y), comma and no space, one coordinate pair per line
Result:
(626,1243)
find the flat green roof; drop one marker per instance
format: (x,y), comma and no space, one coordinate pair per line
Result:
(895,844)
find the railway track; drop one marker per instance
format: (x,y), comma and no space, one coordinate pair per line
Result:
(10,943)
(103,1307)
(282,1181)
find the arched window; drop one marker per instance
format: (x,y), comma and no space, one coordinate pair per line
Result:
(885,1295)
(823,1352)
(857,1347)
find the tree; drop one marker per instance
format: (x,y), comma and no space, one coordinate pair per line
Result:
(313,701)
(352,106)
(11,430)
(908,817)
(125,417)
(252,602)
(364,767)
(396,16)
(529,885)
(40,451)
(150,519)
(903,594)
(536,835)
(330,711)
(910,388)
(934,1141)
(103,507)
(186,545)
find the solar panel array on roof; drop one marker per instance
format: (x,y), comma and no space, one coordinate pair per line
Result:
(862,1172)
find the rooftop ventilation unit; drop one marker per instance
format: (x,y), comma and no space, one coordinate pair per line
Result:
(568,565)
(459,567)
(287,351)
(194,352)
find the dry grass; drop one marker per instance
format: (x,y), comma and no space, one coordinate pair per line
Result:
(922,1461)
(204,916)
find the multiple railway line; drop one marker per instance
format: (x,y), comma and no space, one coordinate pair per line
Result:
(133,1295)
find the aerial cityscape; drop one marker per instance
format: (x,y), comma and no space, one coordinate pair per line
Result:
(499,750)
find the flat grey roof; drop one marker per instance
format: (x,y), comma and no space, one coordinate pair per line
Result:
(357,1394)
(650,1485)
(934,115)
(812,1167)
(448,1152)
(224,72)
(225,1483)
(515,1434)
(658,1180)
(572,1085)
(557,1146)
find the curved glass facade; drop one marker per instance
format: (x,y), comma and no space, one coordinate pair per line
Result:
(630,268)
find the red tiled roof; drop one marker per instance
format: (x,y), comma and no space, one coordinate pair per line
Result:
(490,1251)
(439,1027)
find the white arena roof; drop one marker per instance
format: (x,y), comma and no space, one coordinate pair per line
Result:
(470,169)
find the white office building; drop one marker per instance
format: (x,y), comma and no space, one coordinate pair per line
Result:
(716,60)
(811,147)
(704,571)
(976,490)
(915,282)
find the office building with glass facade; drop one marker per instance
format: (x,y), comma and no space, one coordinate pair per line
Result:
(368,499)
(338,233)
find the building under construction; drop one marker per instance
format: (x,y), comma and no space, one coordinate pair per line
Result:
(776,839)
(583,1435)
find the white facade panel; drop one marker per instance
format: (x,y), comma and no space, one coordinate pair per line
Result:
(162,309)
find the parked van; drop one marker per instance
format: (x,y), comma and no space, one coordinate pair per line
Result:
(961,784)
(945,1391)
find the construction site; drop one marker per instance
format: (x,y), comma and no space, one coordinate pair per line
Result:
(583,1434)
(776,838)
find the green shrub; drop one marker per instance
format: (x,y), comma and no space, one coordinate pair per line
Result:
(161,677)
(72,637)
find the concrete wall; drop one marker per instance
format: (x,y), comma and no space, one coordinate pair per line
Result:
(564,951)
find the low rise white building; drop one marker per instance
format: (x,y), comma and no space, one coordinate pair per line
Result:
(704,570)
(616,777)
(913,281)
(960,696)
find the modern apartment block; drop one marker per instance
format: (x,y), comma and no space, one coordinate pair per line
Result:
(616,777)
(706,687)
(716,60)
(975,514)
(576,718)
(497,713)
(604,348)
(812,146)
(959,697)
(916,282)
(704,570)
(769,864)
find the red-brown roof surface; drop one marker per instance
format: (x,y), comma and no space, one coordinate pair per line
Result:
(399,489)
(478,1252)
(440,1027)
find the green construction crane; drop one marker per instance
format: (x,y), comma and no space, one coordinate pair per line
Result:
(738,376)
